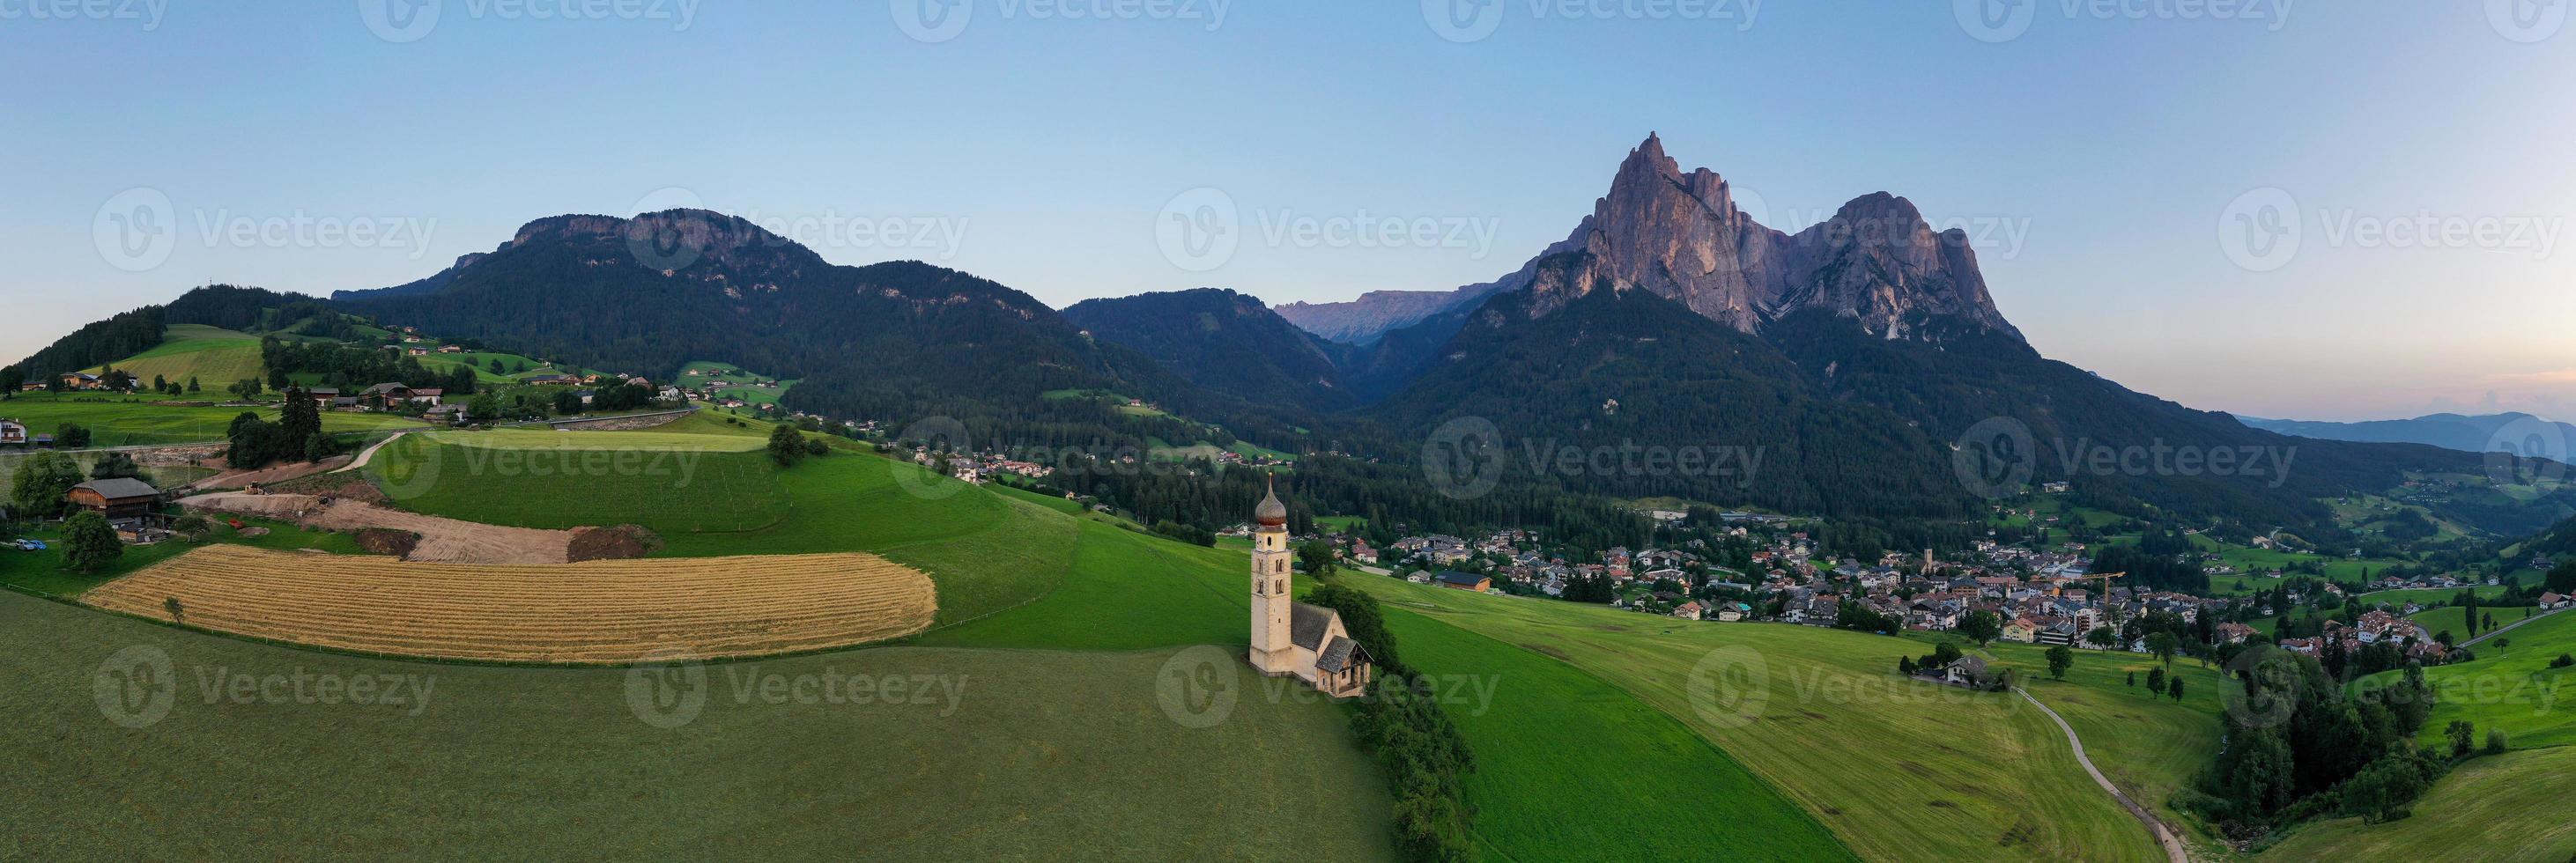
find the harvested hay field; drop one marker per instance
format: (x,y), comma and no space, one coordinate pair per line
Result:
(584,613)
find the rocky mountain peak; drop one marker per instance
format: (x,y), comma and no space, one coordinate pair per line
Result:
(1683,237)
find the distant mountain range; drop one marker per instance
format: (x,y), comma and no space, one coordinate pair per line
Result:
(2482,433)
(1851,358)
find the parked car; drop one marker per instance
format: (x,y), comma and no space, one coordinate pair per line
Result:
(30,545)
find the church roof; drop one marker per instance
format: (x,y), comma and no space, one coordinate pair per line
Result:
(1271,513)
(1337,656)
(1308,623)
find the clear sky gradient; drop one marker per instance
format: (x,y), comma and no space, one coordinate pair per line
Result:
(2101,152)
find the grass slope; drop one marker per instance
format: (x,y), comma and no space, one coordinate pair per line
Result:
(1571,768)
(215,357)
(2504,809)
(1899,770)
(1041,755)
(2510,687)
(2148,745)
(43,571)
(129,422)
(675,484)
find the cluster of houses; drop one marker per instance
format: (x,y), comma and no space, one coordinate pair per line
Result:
(16,434)
(2374,627)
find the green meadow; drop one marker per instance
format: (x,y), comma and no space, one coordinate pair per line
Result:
(984,755)
(2149,745)
(726,380)
(2509,686)
(128,422)
(1897,769)
(2507,809)
(1570,767)
(675,484)
(217,358)
(43,572)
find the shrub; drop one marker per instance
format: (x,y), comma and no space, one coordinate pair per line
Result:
(2495,741)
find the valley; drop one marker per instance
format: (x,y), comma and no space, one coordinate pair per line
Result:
(1699,539)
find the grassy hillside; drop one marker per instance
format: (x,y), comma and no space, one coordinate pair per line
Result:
(726,380)
(2509,686)
(672,483)
(133,422)
(1571,768)
(1898,770)
(2506,809)
(1013,755)
(2148,745)
(43,572)
(216,357)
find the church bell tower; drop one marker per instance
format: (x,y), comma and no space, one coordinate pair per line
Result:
(1272,653)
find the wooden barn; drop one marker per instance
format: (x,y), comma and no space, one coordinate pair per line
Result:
(117,499)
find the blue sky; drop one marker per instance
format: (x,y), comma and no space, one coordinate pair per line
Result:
(2100,152)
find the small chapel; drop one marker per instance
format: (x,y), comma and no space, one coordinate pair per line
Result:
(1291,638)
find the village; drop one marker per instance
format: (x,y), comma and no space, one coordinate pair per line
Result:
(2040,596)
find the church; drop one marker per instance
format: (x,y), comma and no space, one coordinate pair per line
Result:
(1291,638)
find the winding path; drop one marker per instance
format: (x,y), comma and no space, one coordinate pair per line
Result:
(2173,846)
(370,453)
